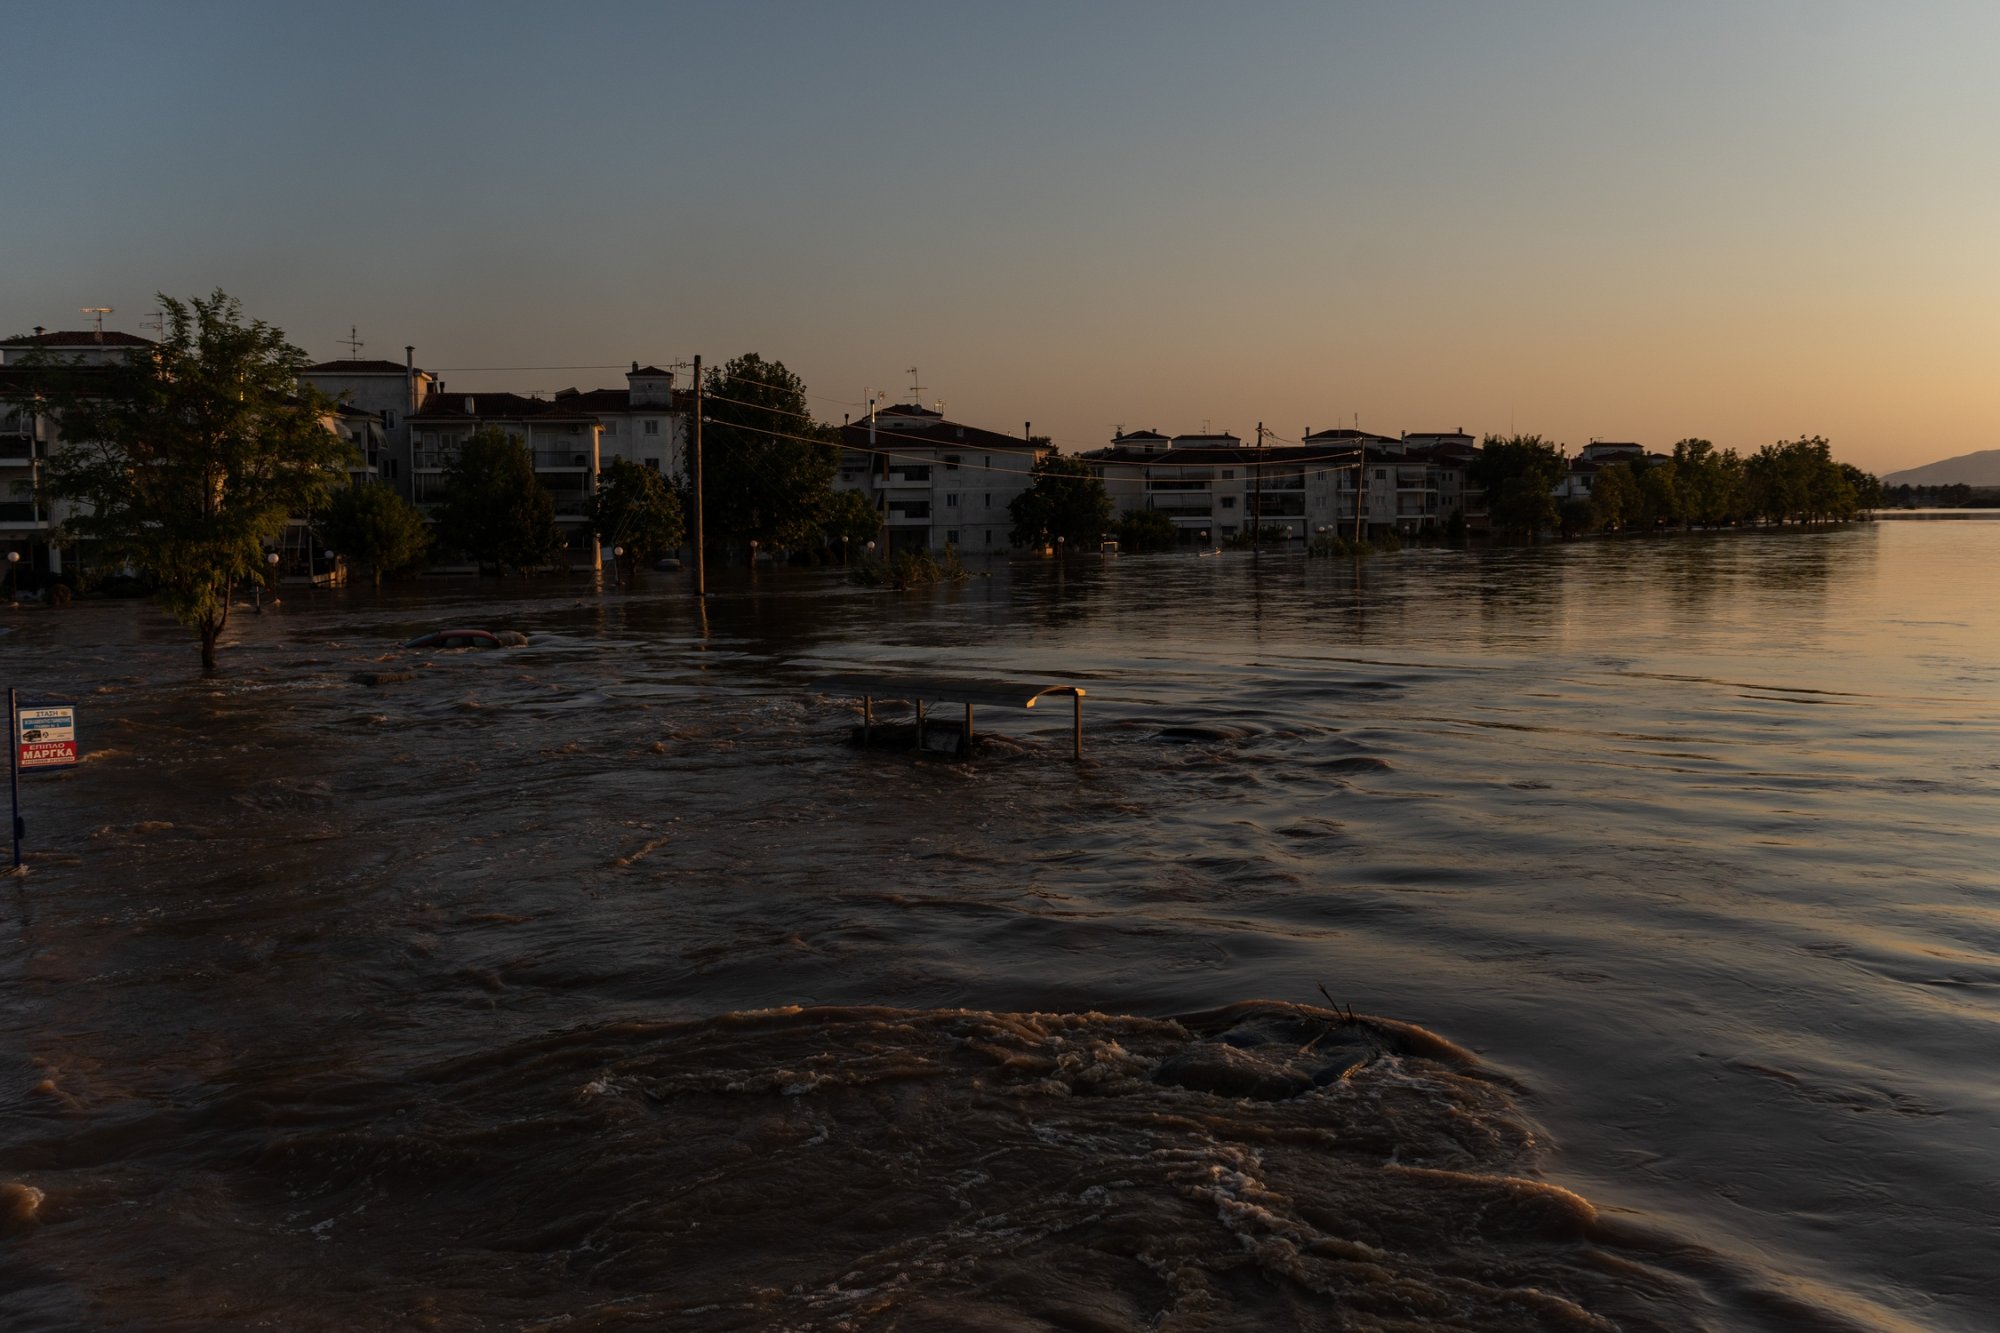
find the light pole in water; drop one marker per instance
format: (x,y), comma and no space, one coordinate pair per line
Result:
(13,574)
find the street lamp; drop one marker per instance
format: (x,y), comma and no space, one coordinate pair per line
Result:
(843,550)
(13,574)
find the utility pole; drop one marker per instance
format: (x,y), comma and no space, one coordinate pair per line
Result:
(700,560)
(1257,498)
(1360,484)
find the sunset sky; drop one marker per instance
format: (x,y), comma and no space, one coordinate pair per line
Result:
(1743,221)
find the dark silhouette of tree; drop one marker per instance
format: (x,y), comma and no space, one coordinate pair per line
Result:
(495,509)
(767,466)
(376,530)
(1519,474)
(635,509)
(1065,499)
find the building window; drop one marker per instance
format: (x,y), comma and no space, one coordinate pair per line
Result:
(1229,474)
(652,428)
(1381,474)
(610,428)
(989,537)
(653,463)
(388,420)
(951,501)
(951,462)
(989,499)
(1229,502)
(951,538)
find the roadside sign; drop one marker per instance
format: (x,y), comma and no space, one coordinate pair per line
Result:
(41,734)
(45,732)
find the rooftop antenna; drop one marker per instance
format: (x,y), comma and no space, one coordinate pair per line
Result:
(100,311)
(916,389)
(157,322)
(352,343)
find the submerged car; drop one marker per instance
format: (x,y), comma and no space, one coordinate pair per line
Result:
(469,638)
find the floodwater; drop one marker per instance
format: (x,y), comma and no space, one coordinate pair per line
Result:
(602,984)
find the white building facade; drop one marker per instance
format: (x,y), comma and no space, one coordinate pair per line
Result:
(936,483)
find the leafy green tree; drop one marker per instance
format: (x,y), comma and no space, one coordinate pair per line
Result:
(1659,494)
(767,466)
(1519,474)
(1868,489)
(1065,499)
(1707,485)
(495,509)
(1614,497)
(847,514)
(188,459)
(634,508)
(1142,530)
(376,530)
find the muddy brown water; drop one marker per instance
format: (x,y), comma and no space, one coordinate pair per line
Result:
(600,984)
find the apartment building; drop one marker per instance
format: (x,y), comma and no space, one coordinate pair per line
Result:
(1213,487)
(389,391)
(936,483)
(28,437)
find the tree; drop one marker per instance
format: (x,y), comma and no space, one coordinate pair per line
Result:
(1659,494)
(1614,496)
(1142,530)
(375,529)
(495,509)
(1576,515)
(634,508)
(1519,474)
(767,465)
(848,519)
(1064,500)
(187,460)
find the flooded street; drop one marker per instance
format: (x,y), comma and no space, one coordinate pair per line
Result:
(600,983)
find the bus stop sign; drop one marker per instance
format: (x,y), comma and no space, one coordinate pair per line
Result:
(45,732)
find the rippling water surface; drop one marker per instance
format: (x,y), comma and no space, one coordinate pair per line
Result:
(600,983)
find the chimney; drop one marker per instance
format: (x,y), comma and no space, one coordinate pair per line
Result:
(409,378)
(635,367)
(470,407)
(38,332)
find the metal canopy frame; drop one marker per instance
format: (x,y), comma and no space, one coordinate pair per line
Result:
(923,690)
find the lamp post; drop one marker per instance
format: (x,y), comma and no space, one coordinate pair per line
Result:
(13,574)
(617,573)
(843,550)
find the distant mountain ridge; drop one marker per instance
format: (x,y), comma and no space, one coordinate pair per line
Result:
(1980,469)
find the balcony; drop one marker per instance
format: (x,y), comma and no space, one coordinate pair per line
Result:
(17,450)
(562,460)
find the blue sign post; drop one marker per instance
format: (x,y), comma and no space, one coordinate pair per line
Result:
(41,733)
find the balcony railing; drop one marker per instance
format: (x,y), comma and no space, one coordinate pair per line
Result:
(562,458)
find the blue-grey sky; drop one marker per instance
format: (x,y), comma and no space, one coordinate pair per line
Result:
(1743,221)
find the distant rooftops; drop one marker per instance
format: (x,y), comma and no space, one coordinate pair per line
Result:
(492,406)
(360,367)
(76,338)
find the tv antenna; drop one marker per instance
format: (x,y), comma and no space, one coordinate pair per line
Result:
(157,322)
(352,342)
(100,311)
(916,389)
